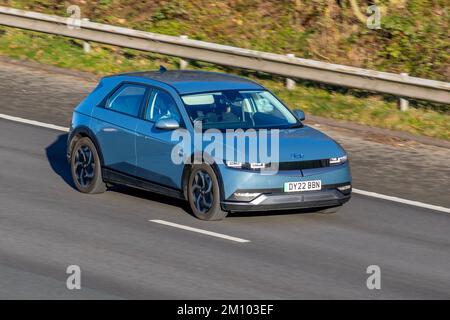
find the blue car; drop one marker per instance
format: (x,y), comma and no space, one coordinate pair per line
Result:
(141,129)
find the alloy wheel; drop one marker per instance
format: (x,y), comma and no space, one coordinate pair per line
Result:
(202,193)
(84,166)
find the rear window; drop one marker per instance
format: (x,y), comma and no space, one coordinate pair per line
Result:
(127,99)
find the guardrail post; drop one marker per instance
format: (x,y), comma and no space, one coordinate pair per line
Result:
(290,83)
(183,63)
(402,102)
(86,45)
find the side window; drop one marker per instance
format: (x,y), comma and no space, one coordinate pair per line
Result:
(127,99)
(161,106)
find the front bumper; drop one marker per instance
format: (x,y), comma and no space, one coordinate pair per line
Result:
(329,197)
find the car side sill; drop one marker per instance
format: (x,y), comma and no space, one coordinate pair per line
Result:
(113,176)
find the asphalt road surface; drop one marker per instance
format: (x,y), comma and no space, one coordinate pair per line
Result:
(46,225)
(389,166)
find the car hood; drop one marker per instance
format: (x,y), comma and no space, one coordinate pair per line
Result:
(296,144)
(306,143)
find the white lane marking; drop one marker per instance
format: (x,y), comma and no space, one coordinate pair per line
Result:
(363,192)
(209,233)
(33,122)
(400,200)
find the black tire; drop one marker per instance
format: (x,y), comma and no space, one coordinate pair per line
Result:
(204,194)
(330,210)
(86,168)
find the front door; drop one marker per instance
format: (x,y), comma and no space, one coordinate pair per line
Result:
(154,146)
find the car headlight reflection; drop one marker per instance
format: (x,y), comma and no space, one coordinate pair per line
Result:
(338,160)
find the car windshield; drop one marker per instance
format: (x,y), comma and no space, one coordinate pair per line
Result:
(238,109)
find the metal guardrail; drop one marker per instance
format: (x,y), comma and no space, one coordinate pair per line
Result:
(290,67)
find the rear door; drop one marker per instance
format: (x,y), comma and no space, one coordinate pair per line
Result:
(114,123)
(154,146)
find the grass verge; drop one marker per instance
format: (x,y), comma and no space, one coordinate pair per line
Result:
(321,100)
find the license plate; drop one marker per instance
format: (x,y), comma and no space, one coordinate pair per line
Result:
(303,186)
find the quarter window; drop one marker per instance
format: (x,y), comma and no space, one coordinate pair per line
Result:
(127,99)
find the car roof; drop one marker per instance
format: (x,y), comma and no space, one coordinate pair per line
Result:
(189,81)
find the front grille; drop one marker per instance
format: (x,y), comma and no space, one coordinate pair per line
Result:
(292,165)
(301,165)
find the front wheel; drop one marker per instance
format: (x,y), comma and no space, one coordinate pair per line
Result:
(86,168)
(204,193)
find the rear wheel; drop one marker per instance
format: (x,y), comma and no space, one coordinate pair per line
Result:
(329,210)
(86,168)
(204,193)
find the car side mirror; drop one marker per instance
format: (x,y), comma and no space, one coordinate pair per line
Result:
(167,124)
(299,114)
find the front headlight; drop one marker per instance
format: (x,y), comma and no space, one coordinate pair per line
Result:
(244,196)
(338,160)
(246,165)
(233,164)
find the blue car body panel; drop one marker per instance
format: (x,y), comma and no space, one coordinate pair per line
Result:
(116,134)
(153,152)
(135,147)
(235,179)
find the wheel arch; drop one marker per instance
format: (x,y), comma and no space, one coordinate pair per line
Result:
(82,132)
(209,160)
